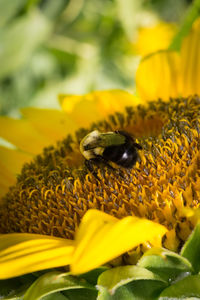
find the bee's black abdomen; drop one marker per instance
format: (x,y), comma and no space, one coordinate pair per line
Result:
(129,158)
(121,155)
(124,155)
(113,153)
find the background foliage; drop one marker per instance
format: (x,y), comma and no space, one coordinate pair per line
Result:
(49,47)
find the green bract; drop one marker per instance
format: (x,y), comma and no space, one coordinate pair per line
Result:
(191,249)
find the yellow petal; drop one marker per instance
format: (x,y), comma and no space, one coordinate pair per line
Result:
(85,109)
(11,161)
(13,158)
(22,253)
(190,62)
(170,74)
(102,237)
(154,38)
(68,102)
(21,134)
(53,124)
(158,76)
(6,179)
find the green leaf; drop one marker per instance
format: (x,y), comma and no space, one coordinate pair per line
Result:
(168,265)
(20,39)
(55,296)
(129,282)
(81,294)
(16,294)
(127,12)
(104,294)
(15,288)
(123,293)
(8,9)
(191,249)
(7,286)
(187,288)
(140,290)
(92,276)
(53,282)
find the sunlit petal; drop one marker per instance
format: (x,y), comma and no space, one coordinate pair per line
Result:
(102,237)
(158,76)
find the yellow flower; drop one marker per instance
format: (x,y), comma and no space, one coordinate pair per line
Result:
(154,38)
(64,215)
(178,72)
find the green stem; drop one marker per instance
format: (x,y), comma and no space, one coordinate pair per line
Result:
(191,16)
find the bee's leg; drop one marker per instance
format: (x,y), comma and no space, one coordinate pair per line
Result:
(104,161)
(138,146)
(90,166)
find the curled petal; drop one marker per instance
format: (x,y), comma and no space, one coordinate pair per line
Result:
(101,237)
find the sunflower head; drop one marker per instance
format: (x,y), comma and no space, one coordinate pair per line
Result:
(55,190)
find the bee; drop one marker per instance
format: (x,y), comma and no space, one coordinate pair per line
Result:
(118,147)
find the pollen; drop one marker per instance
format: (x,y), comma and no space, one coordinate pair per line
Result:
(55,190)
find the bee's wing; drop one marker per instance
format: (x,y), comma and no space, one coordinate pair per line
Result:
(105,140)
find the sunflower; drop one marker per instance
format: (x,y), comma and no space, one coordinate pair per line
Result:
(57,215)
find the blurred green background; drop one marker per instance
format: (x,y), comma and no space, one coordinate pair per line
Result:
(49,47)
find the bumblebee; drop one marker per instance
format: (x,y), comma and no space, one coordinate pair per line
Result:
(118,147)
